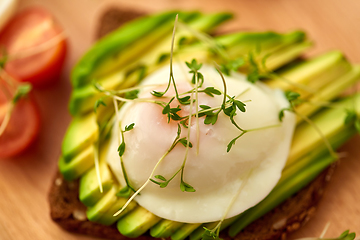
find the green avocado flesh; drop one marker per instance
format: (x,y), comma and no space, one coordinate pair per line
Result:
(113,65)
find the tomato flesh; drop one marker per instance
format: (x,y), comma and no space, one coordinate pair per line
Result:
(36,47)
(22,128)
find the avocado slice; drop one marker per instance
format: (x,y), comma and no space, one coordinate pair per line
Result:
(78,165)
(313,72)
(165,228)
(108,217)
(82,132)
(89,189)
(137,222)
(103,211)
(185,230)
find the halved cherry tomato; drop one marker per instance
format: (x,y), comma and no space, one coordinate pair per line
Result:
(23,126)
(35,45)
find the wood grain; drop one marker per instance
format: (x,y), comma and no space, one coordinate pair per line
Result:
(24,181)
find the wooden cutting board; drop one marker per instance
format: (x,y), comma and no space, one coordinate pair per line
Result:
(25,180)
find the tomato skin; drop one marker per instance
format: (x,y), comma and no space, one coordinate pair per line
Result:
(26,33)
(22,129)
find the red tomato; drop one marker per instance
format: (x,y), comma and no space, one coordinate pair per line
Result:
(35,45)
(23,126)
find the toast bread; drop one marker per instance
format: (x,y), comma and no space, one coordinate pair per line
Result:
(67,210)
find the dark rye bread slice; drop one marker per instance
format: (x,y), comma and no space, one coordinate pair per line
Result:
(67,210)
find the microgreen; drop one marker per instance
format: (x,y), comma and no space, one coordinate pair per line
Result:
(211,91)
(125,192)
(183,41)
(3,58)
(132,94)
(183,100)
(161,180)
(175,142)
(172,112)
(129,127)
(139,69)
(194,69)
(121,151)
(232,142)
(294,100)
(185,142)
(232,65)
(292,96)
(98,86)
(255,73)
(234,104)
(344,236)
(352,118)
(121,148)
(185,187)
(211,118)
(98,103)
(163,57)
(21,92)
(211,234)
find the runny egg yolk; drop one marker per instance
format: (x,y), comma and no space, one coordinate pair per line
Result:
(225,183)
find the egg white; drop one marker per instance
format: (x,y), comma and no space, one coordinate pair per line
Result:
(254,163)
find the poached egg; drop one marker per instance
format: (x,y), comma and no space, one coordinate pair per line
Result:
(225,183)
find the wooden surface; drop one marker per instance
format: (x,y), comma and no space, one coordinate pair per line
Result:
(24,181)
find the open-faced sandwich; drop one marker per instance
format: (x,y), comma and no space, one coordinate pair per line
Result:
(176,134)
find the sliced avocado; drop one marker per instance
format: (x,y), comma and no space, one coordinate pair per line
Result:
(313,73)
(185,230)
(108,217)
(242,43)
(138,35)
(82,99)
(137,222)
(78,165)
(329,123)
(89,190)
(103,211)
(165,228)
(285,55)
(82,132)
(330,91)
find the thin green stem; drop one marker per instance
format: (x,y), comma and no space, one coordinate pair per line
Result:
(188,140)
(7,117)
(224,84)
